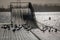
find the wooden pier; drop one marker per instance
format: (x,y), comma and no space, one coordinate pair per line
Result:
(22,34)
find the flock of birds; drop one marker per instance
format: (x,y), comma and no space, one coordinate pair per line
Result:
(49,28)
(15,27)
(28,27)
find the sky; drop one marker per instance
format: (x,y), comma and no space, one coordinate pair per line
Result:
(5,3)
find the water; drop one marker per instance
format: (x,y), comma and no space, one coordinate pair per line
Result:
(5,17)
(43,17)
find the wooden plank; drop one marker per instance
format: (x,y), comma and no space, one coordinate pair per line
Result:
(1,33)
(47,35)
(22,34)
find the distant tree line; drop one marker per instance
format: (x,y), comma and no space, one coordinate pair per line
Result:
(4,9)
(39,8)
(45,8)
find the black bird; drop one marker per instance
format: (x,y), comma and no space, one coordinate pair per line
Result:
(14,30)
(8,27)
(55,30)
(19,28)
(4,27)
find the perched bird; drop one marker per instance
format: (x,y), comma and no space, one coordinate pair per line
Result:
(14,30)
(19,28)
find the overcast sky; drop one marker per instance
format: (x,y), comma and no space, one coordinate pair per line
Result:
(42,2)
